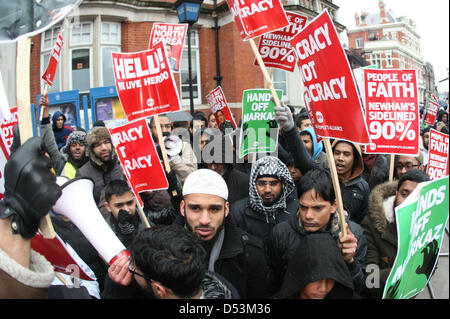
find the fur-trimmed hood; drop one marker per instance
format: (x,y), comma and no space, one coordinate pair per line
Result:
(381,205)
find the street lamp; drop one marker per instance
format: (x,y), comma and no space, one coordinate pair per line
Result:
(188,12)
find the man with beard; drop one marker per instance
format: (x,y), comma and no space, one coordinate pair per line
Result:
(123,219)
(73,154)
(425,136)
(271,198)
(233,253)
(103,165)
(380,226)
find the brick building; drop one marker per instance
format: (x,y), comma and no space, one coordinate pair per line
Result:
(97,28)
(390,42)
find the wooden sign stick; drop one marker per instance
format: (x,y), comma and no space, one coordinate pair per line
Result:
(391,168)
(142,215)
(265,72)
(163,147)
(337,187)
(45,93)
(23,111)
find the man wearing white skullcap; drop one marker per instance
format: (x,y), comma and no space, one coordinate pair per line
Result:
(236,255)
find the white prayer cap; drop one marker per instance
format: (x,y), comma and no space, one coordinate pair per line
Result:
(205,181)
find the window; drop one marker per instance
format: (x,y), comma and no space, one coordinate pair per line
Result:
(48,41)
(80,51)
(280,82)
(195,70)
(388,59)
(376,60)
(359,43)
(110,42)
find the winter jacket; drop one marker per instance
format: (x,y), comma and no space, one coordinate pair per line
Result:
(355,191)
(251,214)
(317,257)
(376,169)
(17,281)
(61,134)
(184,163)
(287,236)
(381,233)
(241,261)
(237,183)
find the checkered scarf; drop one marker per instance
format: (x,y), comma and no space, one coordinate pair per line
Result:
(273,167)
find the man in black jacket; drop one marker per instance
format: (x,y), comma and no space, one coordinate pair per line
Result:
(271,198)
(317,214)
(236,255)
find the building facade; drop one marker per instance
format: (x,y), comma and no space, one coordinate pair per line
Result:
(219,56)
(389,42)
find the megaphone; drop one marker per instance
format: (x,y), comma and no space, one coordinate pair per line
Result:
(173,145)
(77,203)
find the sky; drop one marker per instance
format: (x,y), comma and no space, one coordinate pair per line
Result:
(432,25)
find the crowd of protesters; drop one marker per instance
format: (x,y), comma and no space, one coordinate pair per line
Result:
(226,228)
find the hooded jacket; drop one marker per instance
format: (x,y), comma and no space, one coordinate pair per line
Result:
(251,214)
(317,257)
(381,233)
(355,191)
(61,134)
(287,236)
(319,157)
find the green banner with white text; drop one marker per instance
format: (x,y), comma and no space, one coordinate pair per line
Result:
(421,221)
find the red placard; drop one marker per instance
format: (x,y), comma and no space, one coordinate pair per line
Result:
(49,74)
(145,83)
(172,35)
(217,102)
(56,252)
(433,107)
(331,96)
(7,127)
(256,17)
(437,155)
(138,157)
(392,111)
(275,47)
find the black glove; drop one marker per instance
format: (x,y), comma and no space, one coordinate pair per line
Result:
(174,182)
(30,188)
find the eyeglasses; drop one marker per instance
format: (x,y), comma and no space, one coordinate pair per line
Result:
(264,183)
(133,271)
(400,166)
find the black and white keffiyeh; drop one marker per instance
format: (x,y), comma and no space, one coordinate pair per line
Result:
(269,166)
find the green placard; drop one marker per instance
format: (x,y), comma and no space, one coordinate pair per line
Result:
(421,221)
(259,128)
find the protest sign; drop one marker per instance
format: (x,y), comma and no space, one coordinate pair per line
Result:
(256,17)
(4,155)
(420,221)
(7,126)
(437,155)
(330,89)
(431,112)
(259,128)
(172,35)
(57,253)
(275,47)
(138,157)
(145,83)
(49,74)
(392,111)
(218,105)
